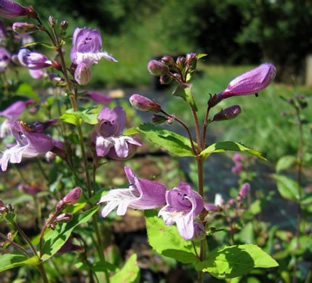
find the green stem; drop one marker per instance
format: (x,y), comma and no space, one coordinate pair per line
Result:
(42,169)
(17,246)
(27,240)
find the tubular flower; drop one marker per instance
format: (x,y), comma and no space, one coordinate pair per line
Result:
(250,82)
(141,194)
(33,60)
(11,9)
(87,49)
(107,135)
(183,205)
(100,98)
(12,113)
(28,144)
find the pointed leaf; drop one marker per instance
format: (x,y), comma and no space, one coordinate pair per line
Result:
(166,240)
(171,141)
(229,146)
(285,162)
(234,261)
(15,259)
(27,90)
(287,187)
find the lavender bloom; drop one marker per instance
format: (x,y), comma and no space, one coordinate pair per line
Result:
(87,45)
(250,82)
(5,58)
(183,205)
(87,51)
(11,9)
(141,194)
(28,144)
(99,97)
(36,73)
(33,60)
(107,135)
(12,113)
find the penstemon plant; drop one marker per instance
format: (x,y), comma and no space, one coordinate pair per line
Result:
(78,139)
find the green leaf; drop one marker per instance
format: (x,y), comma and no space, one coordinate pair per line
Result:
(171,141)
(229,146)
(71,118)
(40,43)
(234,261)
(27,90)
(166,240)
(285,162)
(201,55)
(55,239)
(97,267)
(15,259)
(185,92)
(287,187)
(88,116)
(130,273)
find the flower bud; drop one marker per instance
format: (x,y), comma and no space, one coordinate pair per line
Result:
(157,68)
(244,190)
(63,25)
(191,61)
(64,217)
(180,62)
(250,82)
(144,104)
(2,206)
(211,207)
(52,21)
(168,61)
(24,28)
(73,196)
(11,9)
(227,113)
(39,127)
(30,189)
(158,119)
(165,79)
(83,73)
(56,80)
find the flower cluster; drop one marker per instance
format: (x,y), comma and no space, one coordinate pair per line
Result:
(182,203)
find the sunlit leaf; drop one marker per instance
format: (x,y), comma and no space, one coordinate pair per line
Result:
(229,146)
(234,261)
(166,240)
(130,272)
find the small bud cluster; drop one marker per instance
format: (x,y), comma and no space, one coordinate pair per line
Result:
(168,69)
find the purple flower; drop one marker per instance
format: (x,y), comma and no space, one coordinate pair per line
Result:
(32,189)
(12,113)
(183,205)
(141,194)
(107,135)
(28,144)
(24,27)
(87,45)
(250,82)
(5,58)
(33,60)
(87,51)
(11,9)
(99,97)
(227,113)
(36,73)
(244,190)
